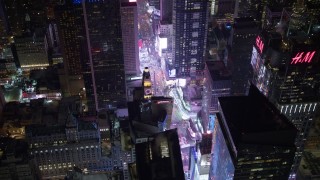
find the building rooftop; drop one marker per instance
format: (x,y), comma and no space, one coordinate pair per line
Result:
(160,158)
(166,22)
(144,117)
(124,4)
(310,165)
(13,147)
(218,70)
(37,111)
(244,22)
(47,78)
(43,130)
(86,126)
(253,119)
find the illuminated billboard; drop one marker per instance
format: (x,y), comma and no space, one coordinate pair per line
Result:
(181,82)
(163,44)
(172,73)
(259,44)
(221,163)
(303,57)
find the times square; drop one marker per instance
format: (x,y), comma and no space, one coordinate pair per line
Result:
(188,99)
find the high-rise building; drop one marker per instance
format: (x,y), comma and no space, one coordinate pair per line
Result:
(251,139)
(70,23)
(190,34)
(103,30)
(245,31)
(219,85)
(286,68)
(166,10)
(76,77)
(31,51)
(129,27)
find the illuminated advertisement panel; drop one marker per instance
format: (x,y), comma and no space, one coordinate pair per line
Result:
(303,57)
(259,44)
(221,163)
(172,73)
(212,120)
(163,44)
(256,60)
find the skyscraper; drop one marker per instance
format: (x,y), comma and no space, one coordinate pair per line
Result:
(286,69)
(103,30)
(190,34)
(251,139)
(245,31)
(129,24)
(72,35)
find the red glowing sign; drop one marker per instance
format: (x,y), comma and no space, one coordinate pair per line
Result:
(259,44)
(302,57)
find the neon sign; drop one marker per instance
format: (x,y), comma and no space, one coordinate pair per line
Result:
(259,44)
(302,57)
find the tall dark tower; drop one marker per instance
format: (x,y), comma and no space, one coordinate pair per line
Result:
(103,30)
(286,69)
(190,31)
(71,27)
(70,22)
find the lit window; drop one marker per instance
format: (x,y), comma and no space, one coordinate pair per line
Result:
(195,25)
(196,6)
(195,34)
(194,43)
(193,60)
(196,15)
(194,52)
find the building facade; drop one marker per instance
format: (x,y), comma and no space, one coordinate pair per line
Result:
(244,32)
(76,77)
(285,66)
(56,150)
(104,37)
(190,34)
(31,52)
(129,24)
(246,135)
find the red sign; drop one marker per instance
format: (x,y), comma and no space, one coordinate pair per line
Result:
(302,57)
(259,44)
